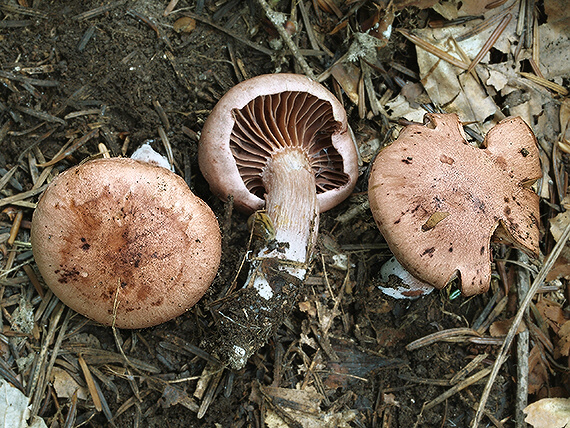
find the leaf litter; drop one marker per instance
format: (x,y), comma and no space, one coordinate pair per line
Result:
(85,80)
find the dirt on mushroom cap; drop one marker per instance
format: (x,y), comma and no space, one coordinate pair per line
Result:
(120,227)
(438,200)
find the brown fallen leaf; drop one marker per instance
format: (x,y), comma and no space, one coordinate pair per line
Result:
(552,313)
(501,327)
(538,374)
(563,345)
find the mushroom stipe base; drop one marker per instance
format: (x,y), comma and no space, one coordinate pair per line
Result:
(247,320)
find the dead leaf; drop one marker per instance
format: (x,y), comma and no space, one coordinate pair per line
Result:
(65,386)
(308,307)
(14,411)
(549,413)
(455,9)
(302,406)
(538,375)
(558,224)
(561,268)
(501,327)
(347,75)
(563,345)
(552,312)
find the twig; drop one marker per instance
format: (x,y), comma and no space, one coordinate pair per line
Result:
(433,49)
(276,20)
(230,33)
(490,41)
(523,281)
(501,358)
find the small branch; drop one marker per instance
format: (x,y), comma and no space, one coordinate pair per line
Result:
(522,283)
(276,20)
(230,33)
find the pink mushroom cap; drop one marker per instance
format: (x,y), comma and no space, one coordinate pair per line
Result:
(125,231)
(438,200)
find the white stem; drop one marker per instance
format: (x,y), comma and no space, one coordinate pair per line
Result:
(146,153)
(291,204)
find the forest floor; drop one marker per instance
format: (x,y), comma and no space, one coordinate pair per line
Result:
(137,71)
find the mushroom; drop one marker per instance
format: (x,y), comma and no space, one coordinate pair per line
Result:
(398,283)
(127,233)
(438,200)
(280,143)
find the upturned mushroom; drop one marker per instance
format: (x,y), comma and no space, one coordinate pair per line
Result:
(438,200)
(125,242)
(280,143)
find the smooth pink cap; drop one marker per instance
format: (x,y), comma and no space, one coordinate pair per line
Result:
(125,228)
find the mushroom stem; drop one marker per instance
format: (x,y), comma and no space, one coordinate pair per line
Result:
(291,204)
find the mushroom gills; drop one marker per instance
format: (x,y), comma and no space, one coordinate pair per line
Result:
(272,123)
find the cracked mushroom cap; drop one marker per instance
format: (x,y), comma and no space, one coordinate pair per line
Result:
(438,200)
(125,228)
(269,113)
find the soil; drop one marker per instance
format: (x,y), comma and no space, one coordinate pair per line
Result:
(133,60)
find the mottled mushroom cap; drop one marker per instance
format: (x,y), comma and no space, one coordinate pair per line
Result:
(265,114)
(438,200)
(125,228)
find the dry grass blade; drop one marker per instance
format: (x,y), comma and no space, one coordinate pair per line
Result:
(97,11)
(76,145)
(455,389)
(100,356)
(37,377)
(461,374)
(502,356)
(6,177)
(42,115)
(13,8)
(28,80)
(20,197)
(90,383)
(546,83)
(72,412)
(210,393)
(491,41)
(450,334)
(433,49)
